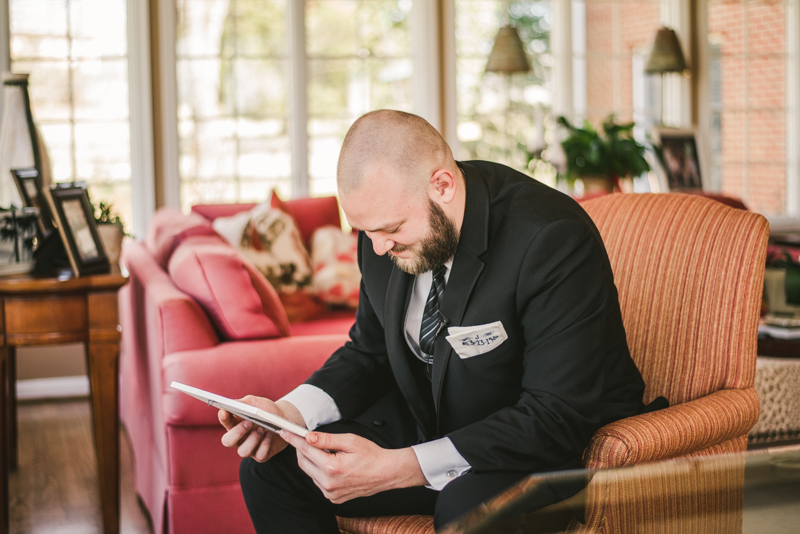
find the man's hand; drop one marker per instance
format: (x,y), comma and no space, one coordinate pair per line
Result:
(257,443)
(356,468)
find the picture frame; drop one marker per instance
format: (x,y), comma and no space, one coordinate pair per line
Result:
(74,218)
(679,162)
(30,190)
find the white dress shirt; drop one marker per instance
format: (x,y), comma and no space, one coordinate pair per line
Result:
(439,459)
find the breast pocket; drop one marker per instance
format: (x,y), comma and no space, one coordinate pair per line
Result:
(498,356)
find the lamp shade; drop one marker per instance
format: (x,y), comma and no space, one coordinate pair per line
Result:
(508,54)
(666,55)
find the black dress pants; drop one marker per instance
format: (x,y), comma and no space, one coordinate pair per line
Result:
(282,499)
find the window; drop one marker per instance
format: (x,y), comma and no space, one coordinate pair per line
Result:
(619,34)
(232,100)
(359,59)
(501,116)
(76,54)
(748,56)
(235,89)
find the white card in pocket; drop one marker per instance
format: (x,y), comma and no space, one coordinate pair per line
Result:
(469,341)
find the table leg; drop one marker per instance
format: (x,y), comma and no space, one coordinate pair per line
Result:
(4,516)
(13,438)
(103,369)
(102,351)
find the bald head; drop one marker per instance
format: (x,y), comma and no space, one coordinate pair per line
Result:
(390,144)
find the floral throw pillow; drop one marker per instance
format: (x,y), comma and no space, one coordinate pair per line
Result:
(334,258)
(269,238)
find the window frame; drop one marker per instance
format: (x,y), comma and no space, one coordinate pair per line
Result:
(790,221)
(152,81)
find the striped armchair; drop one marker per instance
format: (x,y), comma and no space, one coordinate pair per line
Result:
(690,274)
(689,271)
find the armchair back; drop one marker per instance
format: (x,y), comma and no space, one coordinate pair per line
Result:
(689,271)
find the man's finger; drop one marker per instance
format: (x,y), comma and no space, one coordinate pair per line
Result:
(233,436)
(293,439)
(251,443)
(227,419)
(331,442)
(313,470)
(262,454)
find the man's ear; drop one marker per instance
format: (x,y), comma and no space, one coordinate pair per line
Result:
(443,185)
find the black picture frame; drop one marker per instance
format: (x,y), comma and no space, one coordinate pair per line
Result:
(30,190)
(680,159)
(75,221)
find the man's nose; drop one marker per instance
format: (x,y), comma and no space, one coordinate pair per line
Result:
(381,245)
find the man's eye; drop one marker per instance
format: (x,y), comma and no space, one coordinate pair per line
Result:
(393,231)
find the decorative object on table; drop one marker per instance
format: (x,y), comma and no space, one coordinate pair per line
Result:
(782,286)
(17,239)
(76,225)
(109,226)
(666,57)
(30,190)
(21,145)
(679,159)
(602,160)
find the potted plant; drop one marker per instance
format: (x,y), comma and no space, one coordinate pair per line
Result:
(109,226)
(601,160)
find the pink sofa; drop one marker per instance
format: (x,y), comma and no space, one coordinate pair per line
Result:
(185,478)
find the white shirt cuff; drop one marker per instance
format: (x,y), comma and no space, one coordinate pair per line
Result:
(316,406)
(440,461)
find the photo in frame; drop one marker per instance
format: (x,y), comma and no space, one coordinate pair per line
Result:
(678,158)
(30,190)
(75,220)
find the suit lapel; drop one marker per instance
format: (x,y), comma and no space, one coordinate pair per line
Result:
(398,293)
(467,267)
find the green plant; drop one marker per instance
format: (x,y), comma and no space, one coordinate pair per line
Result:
(104,214)
(614,154)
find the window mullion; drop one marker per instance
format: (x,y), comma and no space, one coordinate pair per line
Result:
(5,49)
(298,96)
(793,105)
(141,116)
(166,112)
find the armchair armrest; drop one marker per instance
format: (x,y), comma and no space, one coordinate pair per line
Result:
(266,368)
(674,431)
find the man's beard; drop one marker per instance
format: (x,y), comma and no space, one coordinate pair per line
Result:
(437,248)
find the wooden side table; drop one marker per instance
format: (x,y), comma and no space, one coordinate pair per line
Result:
(781,348)
(42,311)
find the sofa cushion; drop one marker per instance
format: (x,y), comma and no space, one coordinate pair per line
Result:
(334,260)
(240,303)
(269,238)
(311,213)
(169,227)
(308,213)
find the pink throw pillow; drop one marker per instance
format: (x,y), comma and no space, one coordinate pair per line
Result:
(169,228)
(240,303)
(336,278)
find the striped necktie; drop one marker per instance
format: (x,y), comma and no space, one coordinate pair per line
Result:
(430,315)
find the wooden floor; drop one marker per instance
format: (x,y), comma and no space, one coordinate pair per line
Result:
(55,489)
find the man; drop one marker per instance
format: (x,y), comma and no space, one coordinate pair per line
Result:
(488,344)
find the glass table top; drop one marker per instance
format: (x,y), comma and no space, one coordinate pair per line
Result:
(753,492)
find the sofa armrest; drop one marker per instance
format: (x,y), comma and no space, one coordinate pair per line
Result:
(266,368)
(674,431)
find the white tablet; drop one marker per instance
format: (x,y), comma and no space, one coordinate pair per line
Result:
(245,411)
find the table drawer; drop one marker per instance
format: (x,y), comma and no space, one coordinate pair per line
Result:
(36,320)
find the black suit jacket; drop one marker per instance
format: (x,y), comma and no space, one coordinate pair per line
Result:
(530,257)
